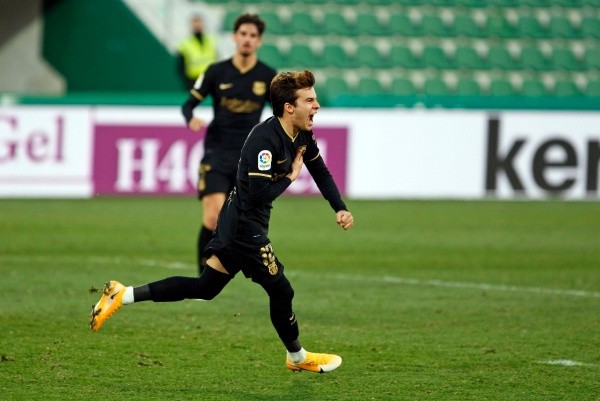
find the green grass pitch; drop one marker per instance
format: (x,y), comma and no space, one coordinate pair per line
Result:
(424,300)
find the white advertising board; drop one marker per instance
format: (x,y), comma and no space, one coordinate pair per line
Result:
(391,153)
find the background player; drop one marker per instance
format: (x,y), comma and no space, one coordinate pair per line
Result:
(239,87)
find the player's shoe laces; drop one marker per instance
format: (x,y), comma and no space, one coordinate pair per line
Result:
(319,363)
(111,301)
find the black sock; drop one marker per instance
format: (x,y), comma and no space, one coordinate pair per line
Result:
(282,317)
(204,237)
(207,286)
(141,293)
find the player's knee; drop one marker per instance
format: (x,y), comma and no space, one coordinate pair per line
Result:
(281,291)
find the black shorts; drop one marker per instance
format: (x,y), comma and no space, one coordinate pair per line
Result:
(258,263)
(210,182)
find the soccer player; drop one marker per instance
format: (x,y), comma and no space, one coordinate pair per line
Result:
(239,87)
(271,159)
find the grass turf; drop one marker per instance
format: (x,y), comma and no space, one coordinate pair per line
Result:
(424,300)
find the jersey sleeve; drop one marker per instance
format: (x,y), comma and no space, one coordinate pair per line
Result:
(263,186)
(323,178)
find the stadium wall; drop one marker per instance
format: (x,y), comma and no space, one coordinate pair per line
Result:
(85,151)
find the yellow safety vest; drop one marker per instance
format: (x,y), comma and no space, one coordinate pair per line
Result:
(196,56)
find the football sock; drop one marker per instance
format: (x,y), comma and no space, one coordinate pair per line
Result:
(141,293)
(297,357)
(128,296)
(177,288)
(204,237)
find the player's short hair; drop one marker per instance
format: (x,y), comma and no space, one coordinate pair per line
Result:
(250,19)
(284,88)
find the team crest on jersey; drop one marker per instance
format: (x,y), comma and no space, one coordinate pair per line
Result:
(264,160)
(259,88)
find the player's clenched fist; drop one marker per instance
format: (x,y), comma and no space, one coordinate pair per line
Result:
(344,219)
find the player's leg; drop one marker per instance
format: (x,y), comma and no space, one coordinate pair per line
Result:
(284,320)
(172,289)
(212,191)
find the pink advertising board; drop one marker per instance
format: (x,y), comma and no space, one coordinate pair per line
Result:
(163,160)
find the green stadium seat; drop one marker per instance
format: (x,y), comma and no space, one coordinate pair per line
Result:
(369,24)
(560,27)
(369,86)
(434,57)
(272,55)
(533,88)
(402,25)
(501,87)
(466,57)
(302,56)
(345,2)
(368,56)
(336,86)
(590,27)
(274,25)
(566,87)
(402,87)
(334,55)
(499,27)
(380,2)
(467,86)
(433,25)
(336,23)
(592,88)
(435,87)
(564,59)
(592,58)
(229,20)
(530,27)
(499,57)
(303,22)
(402,56)
(533,58)
(472,3)
(467,26)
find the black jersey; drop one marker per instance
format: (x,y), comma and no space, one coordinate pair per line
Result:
(238,101)
(266,158)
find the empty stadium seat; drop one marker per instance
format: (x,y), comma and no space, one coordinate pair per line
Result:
(402,25)
(467,86)
(402,56)
(270,54)
(303,22)
(434,56)
(564,59)
(593,88)
(336,86)
(530,27)
(369,86)
(560,27)
(565,88)
(368,55)
(433,25)
(501,87)
(497,26)
(533,88)
(466,57)
(334,55)
(466,26)
(533,58)
(370,24)
(499,57)
(338,24)
(435,86)
(592,58)
(274,25)
(590,27)
(402,86)
(302,56)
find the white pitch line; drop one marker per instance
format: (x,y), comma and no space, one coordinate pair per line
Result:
(338,276)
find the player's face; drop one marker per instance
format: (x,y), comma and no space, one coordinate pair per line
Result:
(247,39)
(305,109)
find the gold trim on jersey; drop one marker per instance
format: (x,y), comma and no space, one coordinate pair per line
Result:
(259,175)
(316,157)
(292,137)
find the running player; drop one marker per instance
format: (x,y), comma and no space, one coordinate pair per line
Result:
(271,159)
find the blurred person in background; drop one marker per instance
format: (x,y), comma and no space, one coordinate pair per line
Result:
(195,53)
(239,87)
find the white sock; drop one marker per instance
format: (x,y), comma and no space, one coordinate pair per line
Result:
(297,357)
(128,296)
